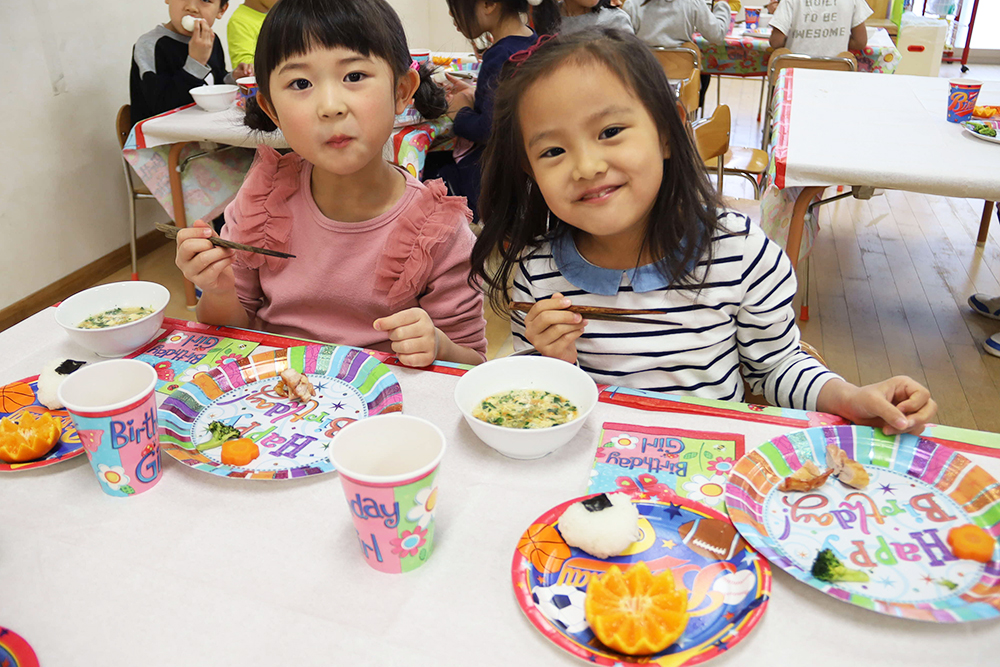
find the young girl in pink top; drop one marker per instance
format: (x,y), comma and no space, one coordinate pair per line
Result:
(381,259)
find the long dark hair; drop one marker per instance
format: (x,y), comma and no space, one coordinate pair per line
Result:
(515,216)
(544,16)
(370,27)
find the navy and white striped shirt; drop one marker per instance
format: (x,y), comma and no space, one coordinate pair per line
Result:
(743,316)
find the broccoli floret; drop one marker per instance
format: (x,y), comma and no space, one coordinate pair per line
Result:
(828,567)
(220,434)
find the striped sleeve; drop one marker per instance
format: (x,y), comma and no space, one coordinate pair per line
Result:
(767,335)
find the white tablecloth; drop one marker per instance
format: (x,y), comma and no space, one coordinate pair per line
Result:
(210,571)
(887,132)
(193,123)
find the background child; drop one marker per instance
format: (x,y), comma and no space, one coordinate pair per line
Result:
(583,14)
(820,29)
(243,28)
(381,259)
(672,22)
(593,216)
(472,106)
(168,61)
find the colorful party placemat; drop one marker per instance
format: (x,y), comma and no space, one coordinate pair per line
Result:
(895,529)
(291,436)
(727,594)
(662,463)
(178,355)
(20,397)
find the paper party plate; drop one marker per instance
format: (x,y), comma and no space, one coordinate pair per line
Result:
(728,591)
(895,529)
(19,397)
(292,437)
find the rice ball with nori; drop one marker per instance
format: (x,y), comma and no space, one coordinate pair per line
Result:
(603,526)
(52,375)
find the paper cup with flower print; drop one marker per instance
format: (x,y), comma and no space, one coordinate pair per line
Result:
(388,467)
(114,410)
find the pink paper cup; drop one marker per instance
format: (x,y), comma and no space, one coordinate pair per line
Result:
(387,467)
(114,410)
(962,99)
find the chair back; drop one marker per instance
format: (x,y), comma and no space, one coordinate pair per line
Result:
(678,62)
(689,93)
(123,124)
(784,59)
(711,138)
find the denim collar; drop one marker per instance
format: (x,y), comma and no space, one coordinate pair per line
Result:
(598,280)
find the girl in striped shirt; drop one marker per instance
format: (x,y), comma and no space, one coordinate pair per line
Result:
(594,195)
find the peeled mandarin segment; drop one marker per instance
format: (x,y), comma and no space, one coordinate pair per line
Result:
(29,438)
(971,542)
(637,613)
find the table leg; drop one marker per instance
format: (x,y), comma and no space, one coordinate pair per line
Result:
(984,224)
(796,227)
(180,218)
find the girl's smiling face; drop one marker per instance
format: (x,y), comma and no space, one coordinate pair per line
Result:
(599,164)
(336,107)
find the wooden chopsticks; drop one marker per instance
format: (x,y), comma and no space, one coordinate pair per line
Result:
(171,233)
(598,313)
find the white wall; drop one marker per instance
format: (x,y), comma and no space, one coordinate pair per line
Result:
(64,74)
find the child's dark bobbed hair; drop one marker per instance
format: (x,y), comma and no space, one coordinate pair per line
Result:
(370,27)
(544,15)
(515,217)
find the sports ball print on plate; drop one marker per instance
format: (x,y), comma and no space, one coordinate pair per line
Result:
(895,529)
(19,397)
(292,437)
(727,582)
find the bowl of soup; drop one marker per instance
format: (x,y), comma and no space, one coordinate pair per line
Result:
(114,319)
(526,407)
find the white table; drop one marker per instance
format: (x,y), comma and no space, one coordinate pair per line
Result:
(210,571)
(901,141)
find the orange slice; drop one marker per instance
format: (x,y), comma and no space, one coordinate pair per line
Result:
(971,542)
(636,613)
(29,438)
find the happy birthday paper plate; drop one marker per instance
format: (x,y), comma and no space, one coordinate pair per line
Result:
(19,397)
(728,584)
(15,651)
(292,436)
(896,529)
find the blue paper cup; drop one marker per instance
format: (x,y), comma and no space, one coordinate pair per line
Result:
(962,99)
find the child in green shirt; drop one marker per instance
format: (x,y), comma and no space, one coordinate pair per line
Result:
(243,28)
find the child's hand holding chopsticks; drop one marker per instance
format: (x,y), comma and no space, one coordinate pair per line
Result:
(205,264)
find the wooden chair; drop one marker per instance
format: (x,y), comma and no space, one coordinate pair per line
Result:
(711,134)
(784,59)
(678,61)
(136,189)
(688,93)
(682,63)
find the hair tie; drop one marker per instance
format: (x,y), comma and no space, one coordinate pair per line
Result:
(415,65)
(521,56)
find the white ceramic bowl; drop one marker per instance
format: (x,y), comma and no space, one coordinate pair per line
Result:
(526,372)
(215,98)
(124,338)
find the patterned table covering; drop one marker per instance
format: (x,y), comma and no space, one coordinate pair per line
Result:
(742,55)
(210,182)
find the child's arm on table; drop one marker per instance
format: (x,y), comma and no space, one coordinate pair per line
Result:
(897,405)
(417,342)
(211,268)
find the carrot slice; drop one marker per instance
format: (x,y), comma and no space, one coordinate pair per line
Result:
(970,542)
(239,452)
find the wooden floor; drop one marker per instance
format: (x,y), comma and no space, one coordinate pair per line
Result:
(889,280)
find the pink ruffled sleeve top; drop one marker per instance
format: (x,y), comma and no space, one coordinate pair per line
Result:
(345,275)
